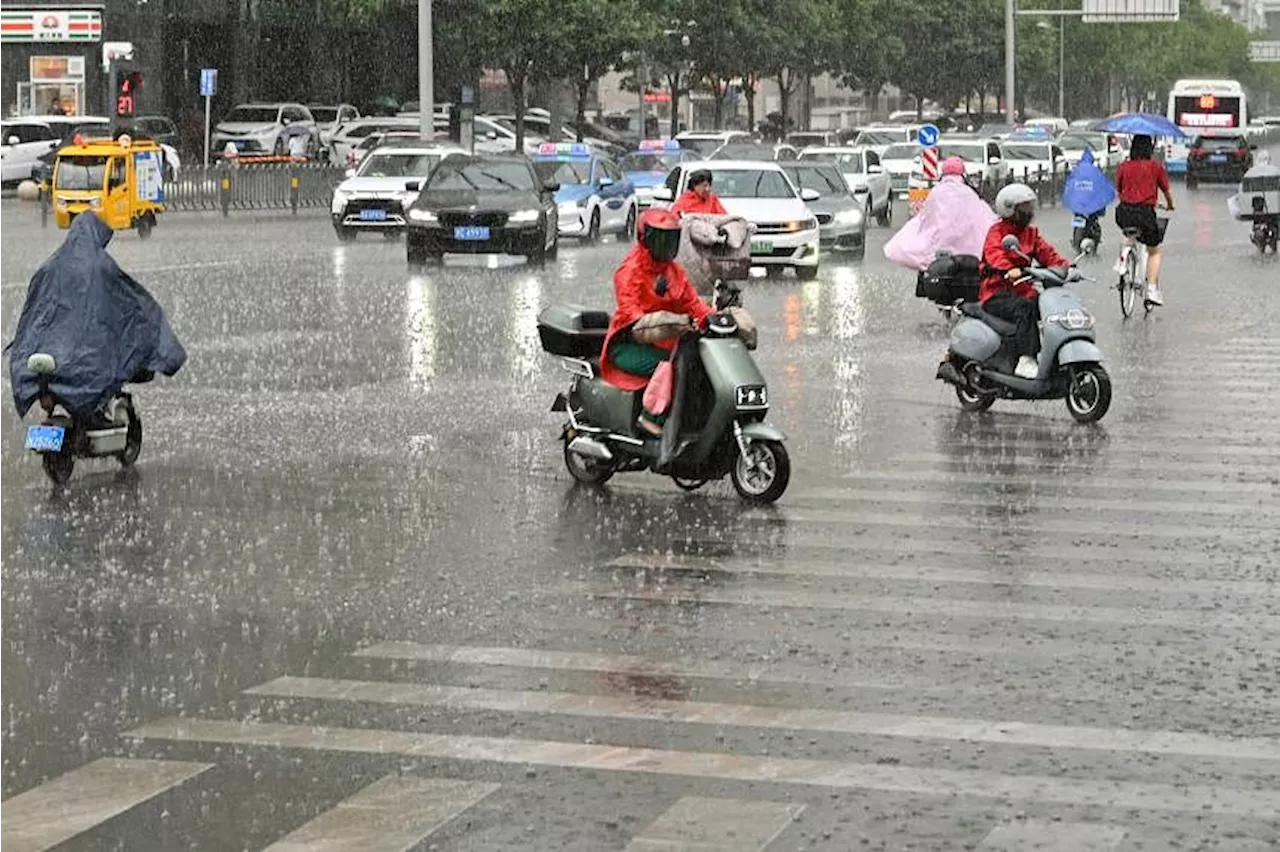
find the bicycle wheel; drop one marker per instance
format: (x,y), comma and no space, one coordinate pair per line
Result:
(1129,284)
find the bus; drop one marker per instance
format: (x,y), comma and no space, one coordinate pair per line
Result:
(1204,108)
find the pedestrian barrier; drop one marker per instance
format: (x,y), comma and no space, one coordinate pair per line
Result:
(265,186)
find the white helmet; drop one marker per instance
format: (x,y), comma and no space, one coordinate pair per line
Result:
(1010,197)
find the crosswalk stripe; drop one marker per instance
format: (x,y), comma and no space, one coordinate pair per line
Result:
(1265,626)
(392,814)
(647,708)
(1020,459)
(1255,592)
(1027,834)
(699,824)
(1262,804)
(1247,493)
(84,798)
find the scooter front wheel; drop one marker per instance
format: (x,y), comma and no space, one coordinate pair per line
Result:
(1089,393)
(763,473)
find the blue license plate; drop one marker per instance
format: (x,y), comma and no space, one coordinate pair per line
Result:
(1217,158)
(45,439)
(1077,222)
(373,215)
(471,232)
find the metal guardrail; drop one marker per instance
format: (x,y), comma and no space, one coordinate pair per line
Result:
(267,186)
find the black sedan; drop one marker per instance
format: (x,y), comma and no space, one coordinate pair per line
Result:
(482,205)
(1218,158)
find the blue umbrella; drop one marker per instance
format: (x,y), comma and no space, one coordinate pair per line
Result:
(1141,124)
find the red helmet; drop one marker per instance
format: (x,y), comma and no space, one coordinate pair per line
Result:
(659,232)
(953,166)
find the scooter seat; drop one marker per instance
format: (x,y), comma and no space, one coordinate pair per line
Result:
(1002,327)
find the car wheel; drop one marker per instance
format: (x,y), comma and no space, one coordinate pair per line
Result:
(628,232)
(806,273)
(593,230)
(885,218)
(345,234)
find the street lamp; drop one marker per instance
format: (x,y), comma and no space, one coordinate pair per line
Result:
(1062,68)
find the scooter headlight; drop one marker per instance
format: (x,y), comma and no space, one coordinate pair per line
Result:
(751,396)
(1073,320)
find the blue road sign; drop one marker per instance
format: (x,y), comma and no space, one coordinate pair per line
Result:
(927,136)
(208,82)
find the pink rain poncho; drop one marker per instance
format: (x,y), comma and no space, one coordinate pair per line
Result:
(953,217)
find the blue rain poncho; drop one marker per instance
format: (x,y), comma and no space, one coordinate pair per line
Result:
(1087,190)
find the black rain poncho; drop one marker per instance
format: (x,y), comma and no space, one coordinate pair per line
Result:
(101,327)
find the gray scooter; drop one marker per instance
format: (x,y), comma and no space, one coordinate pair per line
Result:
(980,361)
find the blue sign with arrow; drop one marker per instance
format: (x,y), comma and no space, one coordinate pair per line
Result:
(927,136)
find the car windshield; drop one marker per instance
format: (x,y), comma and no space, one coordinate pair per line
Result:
(848,162)
(1078,142)
(564,173)
(1026,152)
(81,173)
(703,147)
(324,115)
(878,137)
(464,173)
(641,162)
(738,151)
(252,115)
(823,179)
(906,151)
(751,183)
(968,153)
(394,164)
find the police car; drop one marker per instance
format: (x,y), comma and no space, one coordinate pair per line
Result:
(594,196)
(648,166)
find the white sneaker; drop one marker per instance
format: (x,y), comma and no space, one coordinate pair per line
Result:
(1154,296)
(1027,368)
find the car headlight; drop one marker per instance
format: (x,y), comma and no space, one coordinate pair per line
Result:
(802,224)
(1073,320)
(339,202)
(849,217)
(420,215)
(523,216)
(573,206)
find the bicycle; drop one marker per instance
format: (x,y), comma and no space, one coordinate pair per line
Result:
(1133,268)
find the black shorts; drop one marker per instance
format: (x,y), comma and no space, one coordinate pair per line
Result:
(1151,230)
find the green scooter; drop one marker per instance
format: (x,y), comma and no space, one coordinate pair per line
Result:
(722,429)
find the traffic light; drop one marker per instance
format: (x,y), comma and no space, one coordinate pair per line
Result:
(126,97)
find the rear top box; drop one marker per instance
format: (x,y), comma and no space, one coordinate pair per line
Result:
(572,330)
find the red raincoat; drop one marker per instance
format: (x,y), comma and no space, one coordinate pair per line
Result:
(634,286)
(691,202)
(997,261)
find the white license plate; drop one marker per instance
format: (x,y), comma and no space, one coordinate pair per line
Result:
(45,439)
(761,247)
(471,232)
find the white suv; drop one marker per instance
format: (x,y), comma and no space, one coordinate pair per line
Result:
(760,192)
(376,196)
(22,143)
(266,129)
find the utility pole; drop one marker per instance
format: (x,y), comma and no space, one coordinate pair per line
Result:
(426,81)
(1062,66)
(1009,59)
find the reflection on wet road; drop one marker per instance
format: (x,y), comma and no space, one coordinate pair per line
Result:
(350,598)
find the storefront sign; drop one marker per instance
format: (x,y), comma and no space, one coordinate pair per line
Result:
(27,25)
(56,68)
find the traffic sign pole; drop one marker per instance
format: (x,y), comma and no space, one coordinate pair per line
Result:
(208,88)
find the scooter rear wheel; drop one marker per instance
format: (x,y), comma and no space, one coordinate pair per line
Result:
(133,440)
(58,467)
(764,476)
(970,400)
(588,471)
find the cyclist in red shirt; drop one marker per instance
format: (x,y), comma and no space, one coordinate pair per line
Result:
(1138,181)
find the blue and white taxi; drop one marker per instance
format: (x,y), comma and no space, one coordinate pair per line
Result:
(648,166)
(594,197)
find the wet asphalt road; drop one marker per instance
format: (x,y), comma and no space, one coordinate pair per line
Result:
(350,561)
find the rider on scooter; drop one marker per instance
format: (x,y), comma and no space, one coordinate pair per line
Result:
(1006,292)
(656,305)
(699,198)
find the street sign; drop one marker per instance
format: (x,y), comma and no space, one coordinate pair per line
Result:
(208,82)
(1129,11)
(1264,51)
(927,136)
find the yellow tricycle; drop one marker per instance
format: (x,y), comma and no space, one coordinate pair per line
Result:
(121,180)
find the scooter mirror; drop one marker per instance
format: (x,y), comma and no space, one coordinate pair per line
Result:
(1010,243)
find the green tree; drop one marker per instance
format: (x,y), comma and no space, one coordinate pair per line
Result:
(598,34)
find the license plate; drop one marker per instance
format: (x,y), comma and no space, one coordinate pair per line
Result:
(45,439)
(761,247)
(471,232)
(373,215)
(1077,222)
(1217,158)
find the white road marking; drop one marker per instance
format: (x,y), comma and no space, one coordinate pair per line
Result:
(645,708)
(83,798)
(392,814)
(1027,835)
(698,824)
(946,783)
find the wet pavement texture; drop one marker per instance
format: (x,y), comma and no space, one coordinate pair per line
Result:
(350,599)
